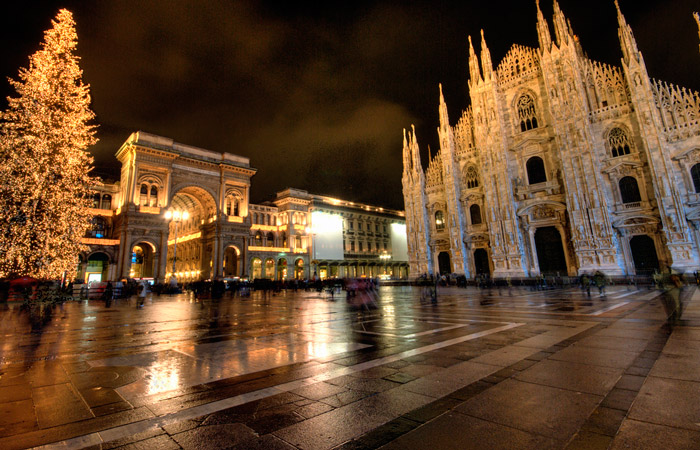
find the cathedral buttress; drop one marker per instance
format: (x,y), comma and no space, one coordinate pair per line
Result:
(505,238)
(456,220)
(658,153)
(417,224)
(592,236)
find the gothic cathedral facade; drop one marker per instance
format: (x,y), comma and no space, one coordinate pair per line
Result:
(561,165)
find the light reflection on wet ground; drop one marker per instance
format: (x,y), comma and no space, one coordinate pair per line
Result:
(100,360)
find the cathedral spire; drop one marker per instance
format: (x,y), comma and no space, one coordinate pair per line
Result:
(543,30)
(444,118)
(406,154)
(561,27)
(415,152)
(627,41)
(486,63)
(474,73)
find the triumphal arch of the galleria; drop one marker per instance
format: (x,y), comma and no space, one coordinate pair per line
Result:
(223,234)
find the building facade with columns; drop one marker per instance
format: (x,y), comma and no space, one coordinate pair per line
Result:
(560,165)
(216,232)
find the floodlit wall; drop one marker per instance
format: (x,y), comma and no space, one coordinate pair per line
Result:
(399,245)
(327,236)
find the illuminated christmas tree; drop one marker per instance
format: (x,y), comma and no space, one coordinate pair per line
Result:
(44,164)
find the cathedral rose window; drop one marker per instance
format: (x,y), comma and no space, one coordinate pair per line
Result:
(472,178)
(526,113)
(619,142)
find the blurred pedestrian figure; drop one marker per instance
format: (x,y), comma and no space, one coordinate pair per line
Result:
(143,291)
(599,280)
(586,284)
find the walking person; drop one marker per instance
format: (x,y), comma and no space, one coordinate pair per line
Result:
(143,291)
(586,284)
(599,280)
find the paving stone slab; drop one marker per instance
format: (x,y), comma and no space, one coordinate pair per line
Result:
(548,411)
(579,377)
(473,433)
(670,402)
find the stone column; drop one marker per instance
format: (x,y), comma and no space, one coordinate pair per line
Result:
(534,264)
(562,236)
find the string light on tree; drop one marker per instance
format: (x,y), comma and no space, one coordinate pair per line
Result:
(44,164)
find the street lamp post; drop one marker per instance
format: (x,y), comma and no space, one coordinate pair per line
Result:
(175,216)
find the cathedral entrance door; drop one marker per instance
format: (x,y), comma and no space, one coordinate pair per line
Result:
(481,262)
(644,254)
(550,252)
(444,265)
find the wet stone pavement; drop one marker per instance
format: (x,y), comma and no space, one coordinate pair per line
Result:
(508,368)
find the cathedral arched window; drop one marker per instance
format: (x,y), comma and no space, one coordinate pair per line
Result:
(695,174)
(619,142)
(526,113)
(439,221)
(535,170)
(629,190)
(471,178)
(475,214)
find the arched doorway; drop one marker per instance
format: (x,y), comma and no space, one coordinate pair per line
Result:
(231,262)
(186,232)
(644,254)
(481,262)
(550,251)
(142,258)
(96,267)
(282,269)
(444,265)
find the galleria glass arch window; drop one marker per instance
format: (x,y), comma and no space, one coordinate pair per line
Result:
(270,239)
(258,239)
(535,170)
(619,142)
(475,214)
(695,174)
(472,178)
(439,221)
(526,112)
(629,190)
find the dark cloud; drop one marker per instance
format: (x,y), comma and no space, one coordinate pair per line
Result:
(316,96)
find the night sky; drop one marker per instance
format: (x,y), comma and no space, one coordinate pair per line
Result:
(316,96)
